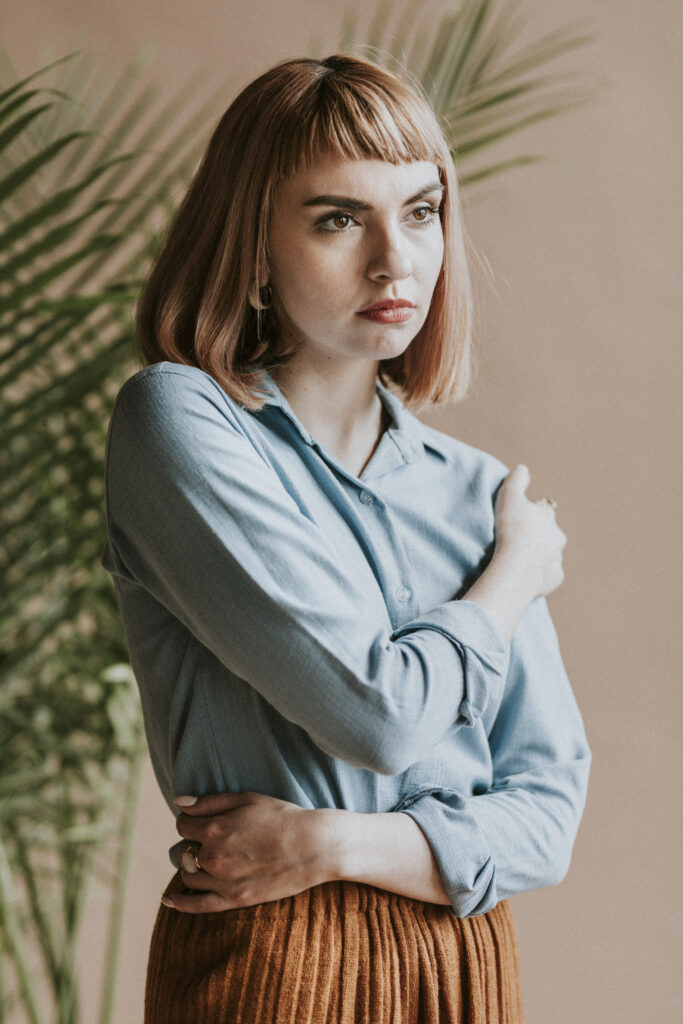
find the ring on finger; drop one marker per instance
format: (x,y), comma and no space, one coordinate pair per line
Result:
(551,502)
(193,850)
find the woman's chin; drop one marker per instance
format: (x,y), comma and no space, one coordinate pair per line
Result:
(392,348)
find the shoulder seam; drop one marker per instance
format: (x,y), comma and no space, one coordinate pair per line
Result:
(173,370)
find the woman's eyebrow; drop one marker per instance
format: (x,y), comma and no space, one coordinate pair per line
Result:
(357,204)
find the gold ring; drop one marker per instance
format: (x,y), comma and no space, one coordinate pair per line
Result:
(192,849)
(551,502)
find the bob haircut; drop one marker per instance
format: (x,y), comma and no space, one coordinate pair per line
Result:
(195,306)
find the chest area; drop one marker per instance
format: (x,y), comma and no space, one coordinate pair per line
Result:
(417,534)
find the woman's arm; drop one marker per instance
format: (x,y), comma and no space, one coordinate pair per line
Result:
(199,518)
(466,851)
(519,834)
(527,557)
(256,848)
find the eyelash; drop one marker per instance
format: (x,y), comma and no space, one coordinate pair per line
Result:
(320,225)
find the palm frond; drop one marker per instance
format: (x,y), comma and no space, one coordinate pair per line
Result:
(483,87)
(83,199)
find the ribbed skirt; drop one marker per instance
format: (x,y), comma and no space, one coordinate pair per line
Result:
(338,953)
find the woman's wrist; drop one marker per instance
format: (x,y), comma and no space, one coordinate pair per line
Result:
(334,835)
(358,847)
(504,590)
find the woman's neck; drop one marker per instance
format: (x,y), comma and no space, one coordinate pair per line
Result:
(340,409)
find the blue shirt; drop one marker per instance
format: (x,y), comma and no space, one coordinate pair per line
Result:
(296,630)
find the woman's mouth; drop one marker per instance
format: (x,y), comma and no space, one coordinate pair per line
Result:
(388,315)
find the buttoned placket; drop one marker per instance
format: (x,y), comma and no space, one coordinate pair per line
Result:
(396,448)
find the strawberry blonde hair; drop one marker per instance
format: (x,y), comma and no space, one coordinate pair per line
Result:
(195,308)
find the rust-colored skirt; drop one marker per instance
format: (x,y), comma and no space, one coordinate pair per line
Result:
(339,953)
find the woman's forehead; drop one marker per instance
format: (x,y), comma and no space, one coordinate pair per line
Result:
(330,173)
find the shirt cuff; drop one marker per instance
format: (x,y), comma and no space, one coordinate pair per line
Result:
(459,847)
(484,655)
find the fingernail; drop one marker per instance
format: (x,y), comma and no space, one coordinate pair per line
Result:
(184,801)
(168,902)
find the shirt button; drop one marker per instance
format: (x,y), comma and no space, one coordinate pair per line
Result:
(402,593)
(366,497)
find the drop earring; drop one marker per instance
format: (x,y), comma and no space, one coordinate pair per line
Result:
(254,296)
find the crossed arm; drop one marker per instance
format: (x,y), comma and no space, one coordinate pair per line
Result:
(437,845)
(197,460)
(253,848)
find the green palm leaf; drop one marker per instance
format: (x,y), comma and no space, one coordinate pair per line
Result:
(481,85)
(82,203)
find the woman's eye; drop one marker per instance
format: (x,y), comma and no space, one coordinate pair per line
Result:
(335,222)
(425,214)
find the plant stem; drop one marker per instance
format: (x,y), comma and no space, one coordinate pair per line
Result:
(73,863)
(131,801)
(13,939)
(47,941)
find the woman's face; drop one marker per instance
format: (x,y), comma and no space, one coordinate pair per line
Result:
(348,234)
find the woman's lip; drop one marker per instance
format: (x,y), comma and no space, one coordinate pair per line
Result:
(386,304)
(387,315)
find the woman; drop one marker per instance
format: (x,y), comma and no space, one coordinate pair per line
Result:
(334,612)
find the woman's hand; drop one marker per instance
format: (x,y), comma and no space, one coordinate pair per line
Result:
(251,848)
(257,848)
(527,557)
(527,535)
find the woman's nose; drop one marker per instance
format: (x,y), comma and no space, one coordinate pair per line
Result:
(389,257)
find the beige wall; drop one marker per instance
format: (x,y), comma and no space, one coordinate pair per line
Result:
(580,363)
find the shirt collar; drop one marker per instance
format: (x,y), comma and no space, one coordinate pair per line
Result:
(407,432)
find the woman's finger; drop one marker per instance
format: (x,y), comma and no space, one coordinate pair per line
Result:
(519,478)
(197,880)
(192,828)
(212,803)
(202,830)
(197,902)
(513,487)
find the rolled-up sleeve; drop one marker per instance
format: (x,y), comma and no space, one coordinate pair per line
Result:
(200,519)
(519,834)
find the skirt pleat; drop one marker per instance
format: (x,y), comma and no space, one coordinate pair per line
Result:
(339,953)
